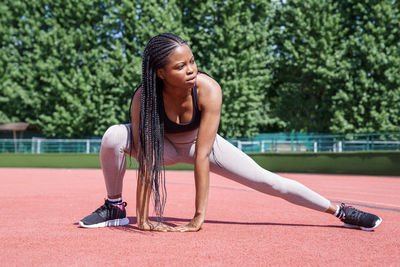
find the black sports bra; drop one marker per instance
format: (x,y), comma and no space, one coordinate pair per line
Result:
(173,127)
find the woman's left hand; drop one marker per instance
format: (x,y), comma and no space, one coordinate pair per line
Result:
(194,225)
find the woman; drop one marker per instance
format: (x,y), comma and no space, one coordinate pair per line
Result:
(175,117)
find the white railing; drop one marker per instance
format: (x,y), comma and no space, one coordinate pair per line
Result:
(42,145)
(315,146)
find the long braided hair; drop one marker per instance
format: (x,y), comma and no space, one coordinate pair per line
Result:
(150,150)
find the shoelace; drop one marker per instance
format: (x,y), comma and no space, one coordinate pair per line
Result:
(108,208)
(351,215)
(101,208)
(341,215)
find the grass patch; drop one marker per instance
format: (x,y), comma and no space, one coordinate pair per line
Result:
(64,160)
(369,163)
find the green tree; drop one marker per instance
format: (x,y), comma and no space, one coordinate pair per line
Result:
(63,66)
(230,40)
(336,66)
(70,67)
(369,101)
(308,65)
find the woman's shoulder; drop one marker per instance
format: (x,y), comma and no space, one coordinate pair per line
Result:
(206,85)
(136,99)
(137,94)
(208,91)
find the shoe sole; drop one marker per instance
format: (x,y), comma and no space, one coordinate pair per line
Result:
(110,223)
(378,222)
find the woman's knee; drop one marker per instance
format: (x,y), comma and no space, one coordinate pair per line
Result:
(115,137)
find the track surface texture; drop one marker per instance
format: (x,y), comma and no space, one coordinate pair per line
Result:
(40,210)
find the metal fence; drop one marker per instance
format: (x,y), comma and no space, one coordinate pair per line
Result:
(42,145)
(320,143)
(262,143)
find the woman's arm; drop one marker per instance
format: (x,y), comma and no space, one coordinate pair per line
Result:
(143,189)
(143,192)
(210,99)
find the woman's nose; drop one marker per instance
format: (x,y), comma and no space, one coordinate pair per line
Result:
(190,68)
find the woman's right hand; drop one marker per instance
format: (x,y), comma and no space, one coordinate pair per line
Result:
(155,226)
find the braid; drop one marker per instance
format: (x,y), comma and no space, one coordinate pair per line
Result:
(150,153)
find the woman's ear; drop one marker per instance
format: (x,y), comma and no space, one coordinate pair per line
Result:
(160,73)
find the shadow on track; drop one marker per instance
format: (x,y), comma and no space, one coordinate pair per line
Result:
(172,221)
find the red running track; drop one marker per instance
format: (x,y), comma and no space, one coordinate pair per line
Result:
(40,209)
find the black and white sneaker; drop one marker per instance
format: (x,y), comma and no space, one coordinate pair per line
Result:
(107,215)
(354,218)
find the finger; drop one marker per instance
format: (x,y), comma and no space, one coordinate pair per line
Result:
(187,229)
(168,228)
(171,229)
(180,228)
(164,228)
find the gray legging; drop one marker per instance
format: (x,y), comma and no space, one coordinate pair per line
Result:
(225,160)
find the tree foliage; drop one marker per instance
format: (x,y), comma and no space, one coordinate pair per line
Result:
(369,99)
(63,70)
(308,67)
(336,67)
(231,41)
(70,67)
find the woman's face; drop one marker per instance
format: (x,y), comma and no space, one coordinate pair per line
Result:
(181,70)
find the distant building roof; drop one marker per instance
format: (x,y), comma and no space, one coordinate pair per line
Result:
(14,126)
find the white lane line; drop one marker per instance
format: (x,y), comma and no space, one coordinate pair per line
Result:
(367,202)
